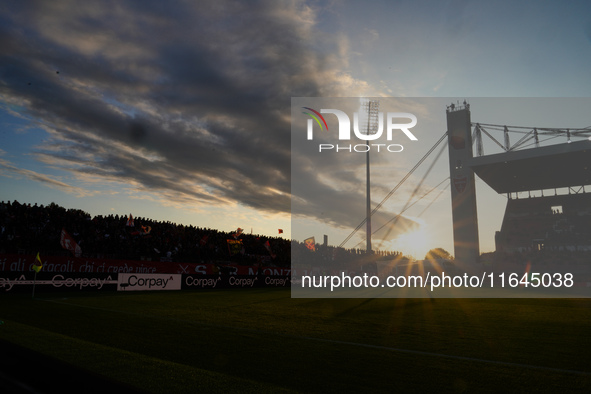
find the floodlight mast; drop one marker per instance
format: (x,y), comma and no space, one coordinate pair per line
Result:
(372,107)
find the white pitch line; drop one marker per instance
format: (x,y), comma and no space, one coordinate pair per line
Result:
(365,345)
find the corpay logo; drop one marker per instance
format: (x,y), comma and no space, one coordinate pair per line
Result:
(344,133)
(149,282)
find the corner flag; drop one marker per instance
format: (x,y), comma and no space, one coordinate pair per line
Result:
(38,264)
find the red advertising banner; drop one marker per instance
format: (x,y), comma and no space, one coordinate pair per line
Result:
(24,263)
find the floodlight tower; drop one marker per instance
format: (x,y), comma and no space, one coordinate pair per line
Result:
(371,108)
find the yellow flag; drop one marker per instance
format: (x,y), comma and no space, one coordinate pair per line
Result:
(38,264)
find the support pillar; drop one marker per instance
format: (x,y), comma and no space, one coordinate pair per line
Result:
(463,187)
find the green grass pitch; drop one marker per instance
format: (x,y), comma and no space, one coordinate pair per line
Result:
(262,340)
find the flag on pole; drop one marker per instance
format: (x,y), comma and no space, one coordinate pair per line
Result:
(268,247)
(68,243)
(237,233)
(310,243)
(37,265)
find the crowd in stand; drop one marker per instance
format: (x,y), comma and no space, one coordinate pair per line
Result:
(329,258)
(28,229)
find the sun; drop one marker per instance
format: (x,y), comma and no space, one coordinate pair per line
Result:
(415,243)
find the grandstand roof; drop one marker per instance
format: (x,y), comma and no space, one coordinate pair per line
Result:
(540,168)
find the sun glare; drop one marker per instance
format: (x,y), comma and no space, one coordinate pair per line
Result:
(415,243)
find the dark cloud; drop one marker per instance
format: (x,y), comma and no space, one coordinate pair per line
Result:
(190,99)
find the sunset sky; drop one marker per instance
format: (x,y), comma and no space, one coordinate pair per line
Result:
(180,111)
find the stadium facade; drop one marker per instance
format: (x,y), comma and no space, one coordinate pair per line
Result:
(547,188)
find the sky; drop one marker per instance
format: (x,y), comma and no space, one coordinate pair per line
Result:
(180,111)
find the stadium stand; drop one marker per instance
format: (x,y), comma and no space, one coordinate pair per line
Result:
(556,223)
(28,229)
